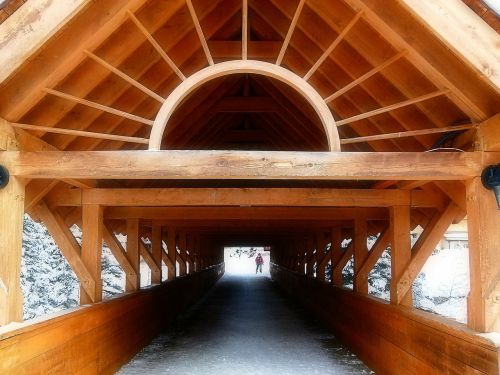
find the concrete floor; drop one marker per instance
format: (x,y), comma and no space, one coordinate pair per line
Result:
(245,326)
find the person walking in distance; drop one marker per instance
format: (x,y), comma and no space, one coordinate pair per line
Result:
(259,262)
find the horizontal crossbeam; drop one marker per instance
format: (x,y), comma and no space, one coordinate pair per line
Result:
(248,165)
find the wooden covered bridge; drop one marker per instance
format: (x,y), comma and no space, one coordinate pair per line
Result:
(295,125)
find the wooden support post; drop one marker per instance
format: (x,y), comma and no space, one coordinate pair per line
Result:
(483,220)
(172,253)
(133,253)
(336,255)
(182,254)
(156,251)
(360,253)
(11,238)
(310,256)
(92,223)
(320,256)
(399,234)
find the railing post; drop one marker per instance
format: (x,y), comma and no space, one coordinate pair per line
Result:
(92,232)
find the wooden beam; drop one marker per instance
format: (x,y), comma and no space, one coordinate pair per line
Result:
(338,267)
(11,229)
(360,253)
(483,221)
(92,223)
(148,258)
(374,255)
(172,252)
(289,34)
(488,136)
(410,133)
(156,46)
(125,77)
(199,31)
(30,27)
(336,255)
(231,49)
(244,30)
(120,255)
(246,165)
(424,247)
(392,107)
(334,44)
(156,252)
(243,197)
(399,234)
(241,213)
(133,254)
(182,259)
(68,245)
(365,76)
(396,23)
(464,32)
(81,133)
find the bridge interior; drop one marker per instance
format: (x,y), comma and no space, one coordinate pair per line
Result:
(302,126)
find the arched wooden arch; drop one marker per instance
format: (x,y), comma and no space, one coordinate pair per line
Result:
(244,66)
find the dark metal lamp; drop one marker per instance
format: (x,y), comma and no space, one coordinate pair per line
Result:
(4,177)
(491,180)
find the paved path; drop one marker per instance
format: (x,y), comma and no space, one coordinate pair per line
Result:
(245,326)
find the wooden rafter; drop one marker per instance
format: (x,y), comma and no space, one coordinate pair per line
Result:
(289,34)
(81,133)
(156,46)
(199,30)
(365,76)
(244,30)
(411,133)
(99,107)
(126,77)
(392,107)
(332,46)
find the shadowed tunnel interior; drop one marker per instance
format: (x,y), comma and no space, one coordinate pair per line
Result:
(245,325)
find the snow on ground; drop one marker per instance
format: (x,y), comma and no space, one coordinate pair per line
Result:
(241,261)
(445,283)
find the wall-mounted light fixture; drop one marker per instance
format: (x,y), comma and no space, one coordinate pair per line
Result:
(4,177)
(491,180)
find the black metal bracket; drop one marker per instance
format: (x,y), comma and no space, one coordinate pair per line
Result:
(4,176)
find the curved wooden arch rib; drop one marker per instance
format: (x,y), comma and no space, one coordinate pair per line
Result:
(244,66)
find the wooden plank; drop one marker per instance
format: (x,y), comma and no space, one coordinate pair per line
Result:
(333,45)
(182,259)
(464,32)
(483,221)
(399,237)
(156,252)
(289,33)
(133,254)
(199,31)
(36,190)
(489,134)
(30,27)
(92,223)
(424,247)
(246,165)
(338,267)
(68,245)
(259,50)
(392,107)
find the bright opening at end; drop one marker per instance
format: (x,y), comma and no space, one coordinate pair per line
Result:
(241,261)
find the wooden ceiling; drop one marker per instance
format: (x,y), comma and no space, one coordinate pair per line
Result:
(103,59)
